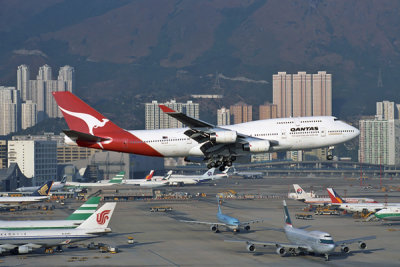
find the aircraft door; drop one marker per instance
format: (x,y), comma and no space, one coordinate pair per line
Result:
(283,134)
(323,132)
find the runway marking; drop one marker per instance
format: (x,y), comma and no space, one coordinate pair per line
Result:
(155,253)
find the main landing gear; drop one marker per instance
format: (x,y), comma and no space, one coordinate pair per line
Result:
(329,156)
(221,162)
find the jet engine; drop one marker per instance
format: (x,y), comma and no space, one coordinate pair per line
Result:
(362,245)
(24,249)
(2,251)
(214,228)
(257,146)
(251,247)
(345,249)
(223,137)
(247,228)
(281,251)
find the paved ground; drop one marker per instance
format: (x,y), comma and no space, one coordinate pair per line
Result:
(164,241)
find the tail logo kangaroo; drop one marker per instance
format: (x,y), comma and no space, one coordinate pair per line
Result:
(90,120)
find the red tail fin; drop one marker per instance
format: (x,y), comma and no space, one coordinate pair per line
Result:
(150,175)
(81,117)
(335,198)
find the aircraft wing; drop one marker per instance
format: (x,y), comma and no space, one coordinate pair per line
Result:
(252,221)
(269,244)
(200,222)
(354,240)
(201,131)
(79,136)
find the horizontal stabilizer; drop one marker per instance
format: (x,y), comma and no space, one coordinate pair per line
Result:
(79,136)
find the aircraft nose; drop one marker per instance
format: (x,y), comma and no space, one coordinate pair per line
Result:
(356,131)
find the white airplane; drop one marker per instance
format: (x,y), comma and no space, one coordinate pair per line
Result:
(56,186)
(209,175)
(72,221)
(40,195)
(340,203)
(150,180)
(248,174)
(302,241)
(229,222)
(117,179)
(389,214)
(24,241)
(311,198)
(218,146)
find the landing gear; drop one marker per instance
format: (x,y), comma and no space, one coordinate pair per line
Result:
(221,162)
(329,156)
(326,257)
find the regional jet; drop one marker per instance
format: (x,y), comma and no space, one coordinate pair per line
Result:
(302,241)
(72,221)
(230,223)
(24,241)
(218,146)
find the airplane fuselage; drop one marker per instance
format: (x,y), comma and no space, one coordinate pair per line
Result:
(284,134)
(314,241)
(231,222)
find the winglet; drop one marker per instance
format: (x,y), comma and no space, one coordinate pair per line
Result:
(44,189)
(166,109)
(335,198)
(288,221)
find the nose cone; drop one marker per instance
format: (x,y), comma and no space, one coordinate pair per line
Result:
(356,131)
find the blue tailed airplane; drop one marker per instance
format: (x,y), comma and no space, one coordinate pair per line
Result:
(230,223)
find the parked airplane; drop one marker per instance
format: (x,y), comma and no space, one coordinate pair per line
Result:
(195,179)
(150,180)
(389,214)
(230,223)
(248,174)
(117,179)
(40,195)
(357,207)
(311,198)
(56,186)
(72,221)
(24,241)
(302,241)
(216,145)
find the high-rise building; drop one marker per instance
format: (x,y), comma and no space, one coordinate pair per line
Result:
(28,114)
(302,94)
(23,77)
(66,78)
(322,94)
(385,110)
(156,119)
(10,108)
(3,154)
(241,112)
(282,94)
(268,111)
(302,91)
(223,116)
(36,159)
(45,73)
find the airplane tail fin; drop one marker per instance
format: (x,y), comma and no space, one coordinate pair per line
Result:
(299,191)
(117,179)
(219,205)
(335,198)
(63,180)
(226,170)
(167,176)
(85,210)
(150,175)
(82,118)
(100,219)
(44,189)
(288,221)
(208,173)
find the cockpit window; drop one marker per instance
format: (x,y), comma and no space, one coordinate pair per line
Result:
(326,241)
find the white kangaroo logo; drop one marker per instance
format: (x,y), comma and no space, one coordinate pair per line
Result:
(90,120)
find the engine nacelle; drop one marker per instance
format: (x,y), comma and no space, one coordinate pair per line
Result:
(345,249)
(281,251)
(362,245)
(251,247)
(247,228)
(257,146)
(24,249)
(214,228)
(2,250)
(223,137)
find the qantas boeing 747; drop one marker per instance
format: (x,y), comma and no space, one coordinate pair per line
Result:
(218,146)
